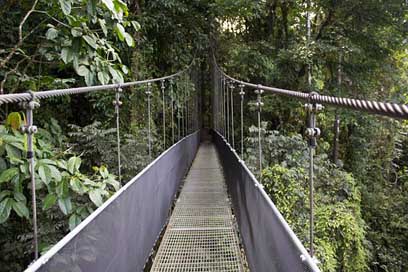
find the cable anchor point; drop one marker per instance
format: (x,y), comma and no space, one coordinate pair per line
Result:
(313,108)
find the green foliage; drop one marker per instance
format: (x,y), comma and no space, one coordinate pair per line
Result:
(63,190)
(339,227)
(84,37)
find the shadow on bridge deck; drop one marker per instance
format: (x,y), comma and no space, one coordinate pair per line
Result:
(200,235)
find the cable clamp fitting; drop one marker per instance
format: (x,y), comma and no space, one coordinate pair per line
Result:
(259,102)
(117,102)
(30,105)
(149,91)
(242,93)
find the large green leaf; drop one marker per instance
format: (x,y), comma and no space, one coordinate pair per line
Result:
(45,173)
(120,31)
(96,198)
(67,55)
(91,41)
(4,193)
(8,174)
(102,23)
(74,221)
(73,164)
(49,201)
(76,185)
(21,209)
(20,197)
(5,208)
(116,75)
(103,77)
(51,34)
(90,78)
(13,152)
(62,189)
(14,120)
(109,4)
(82,70)
(129,40)
(65,205)
(65,6)
(76,32)
(55,173)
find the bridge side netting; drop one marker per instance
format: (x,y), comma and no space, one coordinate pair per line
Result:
(120,235)
(269,243)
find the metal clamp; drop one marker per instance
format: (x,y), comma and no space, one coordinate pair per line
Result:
(149,91)
(259,102)
(117,103)
(241,92)
(29,128)
(313,132)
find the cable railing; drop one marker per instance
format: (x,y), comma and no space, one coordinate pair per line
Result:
(223,121)
(394,110)
(29,101)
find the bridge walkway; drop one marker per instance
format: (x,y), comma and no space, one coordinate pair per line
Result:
(200,235)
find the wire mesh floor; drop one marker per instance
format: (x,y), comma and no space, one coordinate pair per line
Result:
(200,235)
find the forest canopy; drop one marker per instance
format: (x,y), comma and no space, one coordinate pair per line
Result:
(356,48)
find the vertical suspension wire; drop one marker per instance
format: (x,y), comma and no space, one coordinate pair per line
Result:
(242,93)
(311,149)
(232,87)
(228,109)
(182,108)
(312,144)
(336,127)
(224,105)
(219,103)
(172,110)
(117,104)
(29,130)
(259,105)
(178,103)
(187,101)
(308,29)
(149,136)
(311,199)
(164,114)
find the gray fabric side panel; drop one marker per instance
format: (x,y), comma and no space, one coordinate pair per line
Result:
(268,245)
(121,236)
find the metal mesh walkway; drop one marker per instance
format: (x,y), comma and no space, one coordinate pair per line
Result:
(201,235)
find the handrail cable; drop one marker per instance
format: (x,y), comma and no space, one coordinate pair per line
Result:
(393,110)
(24,97)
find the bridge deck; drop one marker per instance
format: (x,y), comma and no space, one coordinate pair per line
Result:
(201,235)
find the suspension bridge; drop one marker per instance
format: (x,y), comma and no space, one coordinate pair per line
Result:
(197,206)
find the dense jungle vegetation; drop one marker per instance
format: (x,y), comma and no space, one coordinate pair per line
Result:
(358,48)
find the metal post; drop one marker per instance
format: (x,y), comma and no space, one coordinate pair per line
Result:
(312,133)
(242,93)
(117,103)
(232,87)
(164,115)
(259,105)
(149,136)
(172,110)
(30,129)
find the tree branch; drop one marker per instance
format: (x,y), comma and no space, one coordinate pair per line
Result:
(20,36)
